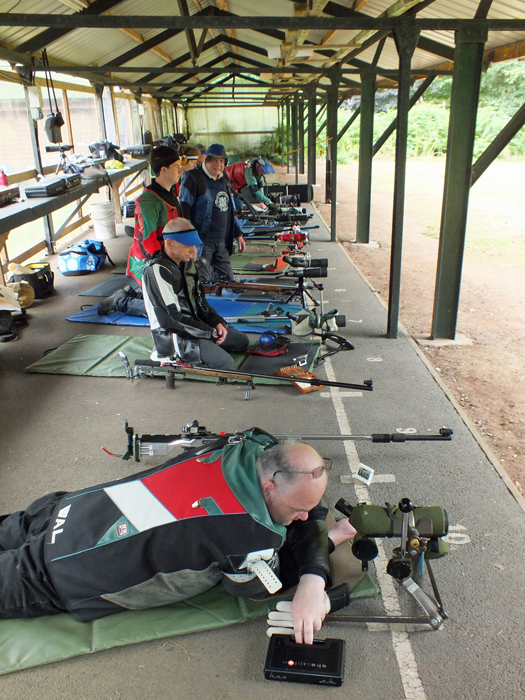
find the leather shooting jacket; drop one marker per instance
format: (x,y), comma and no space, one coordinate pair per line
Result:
(169,533)
(177,309)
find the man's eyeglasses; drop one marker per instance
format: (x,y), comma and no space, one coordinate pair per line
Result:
(315,473)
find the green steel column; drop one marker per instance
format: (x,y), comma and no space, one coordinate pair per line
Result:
(295,141)
(468,62)
(186,122)
(406,35)
(312,97)
(332,96)
(300,120)
(366,143)
(159,105)
(288,135)
(176,118)
(281,119)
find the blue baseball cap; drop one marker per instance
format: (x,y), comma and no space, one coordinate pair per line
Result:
(188,237)
(217,150)
(265,165)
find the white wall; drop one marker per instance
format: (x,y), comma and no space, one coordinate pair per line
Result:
(237,128)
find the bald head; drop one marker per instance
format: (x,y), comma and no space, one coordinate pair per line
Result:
(287,484)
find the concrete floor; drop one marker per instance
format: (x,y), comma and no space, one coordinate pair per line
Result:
(53,428)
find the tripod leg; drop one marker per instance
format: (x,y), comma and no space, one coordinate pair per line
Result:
(425,602)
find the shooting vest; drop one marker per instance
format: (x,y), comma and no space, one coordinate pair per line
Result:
(161,536)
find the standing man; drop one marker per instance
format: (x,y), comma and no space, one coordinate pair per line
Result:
(157,205)
(206,199)
(182,322)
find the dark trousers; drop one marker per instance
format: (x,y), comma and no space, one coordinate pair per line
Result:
(219,267)
(25,587)
(218,356)
(132,305)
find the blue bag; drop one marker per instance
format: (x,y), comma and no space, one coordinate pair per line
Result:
(83,258)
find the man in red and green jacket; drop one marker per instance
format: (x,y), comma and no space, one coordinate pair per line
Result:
(212,515)
(157,205)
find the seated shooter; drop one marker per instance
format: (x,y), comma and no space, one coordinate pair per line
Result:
(182,322)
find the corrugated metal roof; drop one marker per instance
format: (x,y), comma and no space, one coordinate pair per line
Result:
(241,47)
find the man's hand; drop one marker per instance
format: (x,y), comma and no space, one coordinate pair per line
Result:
(241,243)
(342,531)
(222,333)
(309,608)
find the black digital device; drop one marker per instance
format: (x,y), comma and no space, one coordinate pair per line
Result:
(320,663)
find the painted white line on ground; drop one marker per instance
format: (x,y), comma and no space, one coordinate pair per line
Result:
(342,394)
(406,661)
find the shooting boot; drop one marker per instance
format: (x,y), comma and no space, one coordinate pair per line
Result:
(110,305)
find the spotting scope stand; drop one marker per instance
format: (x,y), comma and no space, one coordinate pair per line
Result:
(405,565)
(301,291)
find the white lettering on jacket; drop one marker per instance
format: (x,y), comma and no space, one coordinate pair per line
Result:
(60,520)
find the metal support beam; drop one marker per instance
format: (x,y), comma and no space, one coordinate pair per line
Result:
(186,123)
(175,106)
(349,123)
(406,35)
(295,141)
(88,18)
(332,94)
(300,132)
(312,148)
(159,105)
(99,89)
(493,150)
(366,141)
(190,36)
(281,126)
(288,110)
(468,63)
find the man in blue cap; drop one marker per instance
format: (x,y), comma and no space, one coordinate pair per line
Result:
(182,322)
(207,201)
(248,179)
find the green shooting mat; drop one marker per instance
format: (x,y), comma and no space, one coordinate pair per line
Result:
(42,640)
(98,356)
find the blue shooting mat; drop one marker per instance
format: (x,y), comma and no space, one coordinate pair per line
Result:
(91,315)
(106,288)
(224,307)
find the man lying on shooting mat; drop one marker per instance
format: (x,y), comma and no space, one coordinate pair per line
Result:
(245,513)
(182,322)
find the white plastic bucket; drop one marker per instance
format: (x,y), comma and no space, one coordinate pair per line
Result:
(102,215)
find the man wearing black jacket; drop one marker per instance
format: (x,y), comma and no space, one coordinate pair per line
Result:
(174,531)
(207,201)
(182,322)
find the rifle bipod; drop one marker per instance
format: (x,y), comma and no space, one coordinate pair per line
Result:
(149,368)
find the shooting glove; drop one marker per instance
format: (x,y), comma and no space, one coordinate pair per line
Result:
(280,620)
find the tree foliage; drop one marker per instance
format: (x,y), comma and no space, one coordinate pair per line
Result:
(502,93)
